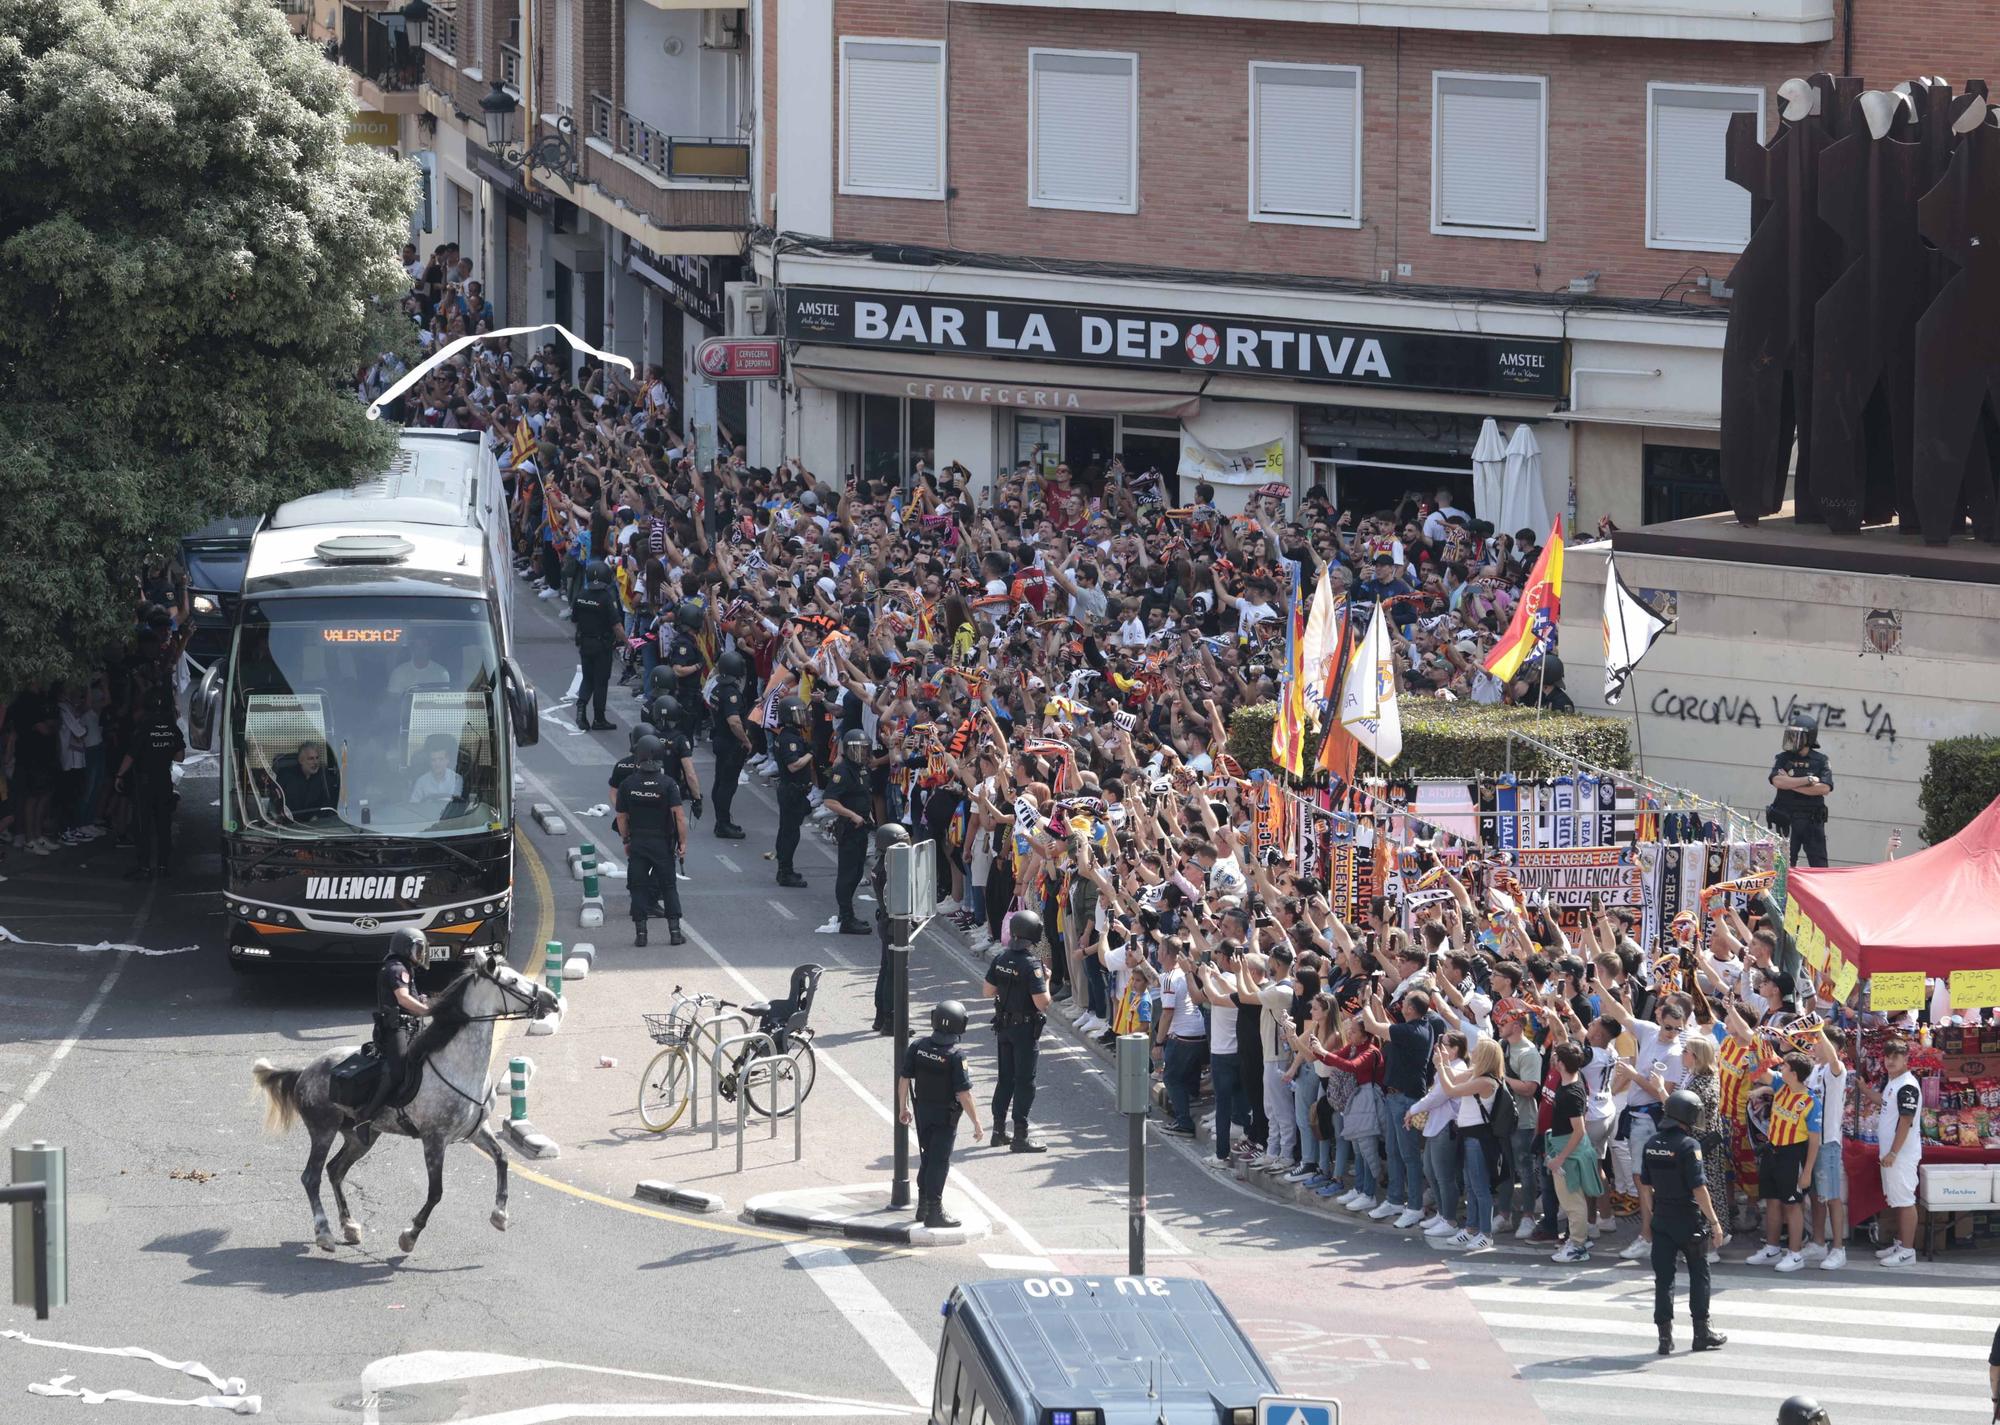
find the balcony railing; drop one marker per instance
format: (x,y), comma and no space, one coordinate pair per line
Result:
(680,159)
(510,65)
(388,57)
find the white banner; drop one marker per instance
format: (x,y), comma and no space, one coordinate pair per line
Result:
(1233,465)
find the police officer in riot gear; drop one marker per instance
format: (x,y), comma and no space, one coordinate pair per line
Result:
(396,1003)
(678,761)
(729,730)
(1019,988)
(147,775)
(684,661)
(793,753)
(1683,1217)
(595,615)
(878,879)
(1803,1410)
(652,822)
(932,1089)
(848,797)
(1803,777)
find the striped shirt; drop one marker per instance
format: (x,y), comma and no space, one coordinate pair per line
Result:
(1736,1062)
(1795,1116)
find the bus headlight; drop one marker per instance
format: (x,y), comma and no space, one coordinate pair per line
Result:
(203,604)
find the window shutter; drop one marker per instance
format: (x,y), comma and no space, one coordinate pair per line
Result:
(1307,128)
(894,142)
(564,51)
(1693,202)
(1489,153)
(1083,130)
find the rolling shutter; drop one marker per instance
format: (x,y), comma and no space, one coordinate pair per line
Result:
(1307,125)
(1489,154)
(1694,204)
(1085,152)
(893,123)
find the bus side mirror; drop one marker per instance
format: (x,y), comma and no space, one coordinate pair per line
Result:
(204,704)
(522,709)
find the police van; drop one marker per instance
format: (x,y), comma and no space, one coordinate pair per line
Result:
(1105,1350)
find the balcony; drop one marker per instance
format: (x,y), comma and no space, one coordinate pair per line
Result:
(678,160)
(510,65)
(385,58)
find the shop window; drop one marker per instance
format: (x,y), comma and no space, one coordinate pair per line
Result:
(1305,144)
(895,434)
(1689,203)
(892,118)
(1489,155)
(1083,130)
(1682,482)
(1038,438)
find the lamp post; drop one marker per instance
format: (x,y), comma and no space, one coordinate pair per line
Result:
(554,154)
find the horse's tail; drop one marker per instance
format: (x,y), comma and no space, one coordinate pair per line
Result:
(281,1092)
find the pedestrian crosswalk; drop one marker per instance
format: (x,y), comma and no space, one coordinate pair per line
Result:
(1868,1346)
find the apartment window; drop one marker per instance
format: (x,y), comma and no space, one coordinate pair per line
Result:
(1489,155)
(1690,204)
(1305,144)
(892,118)
(1083,130)
(562,52)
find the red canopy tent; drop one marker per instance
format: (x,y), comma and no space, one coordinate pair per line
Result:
(1936,911)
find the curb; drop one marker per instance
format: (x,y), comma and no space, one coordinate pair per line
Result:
(831,1225)
(667,1195)
(524,1135)
(549,819)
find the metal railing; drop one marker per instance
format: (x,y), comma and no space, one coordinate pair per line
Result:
(710,1026)
(700,159)
(603,117)
(441,30)
(385,57)
(782,1068)
(510,65)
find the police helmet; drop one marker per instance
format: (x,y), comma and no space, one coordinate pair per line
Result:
(597,574)
(1684,1107)
(1024,930)
(666,711)
(892,835)
(687,618)
(1803,1410)
(407,944)
(649,749)
(854,745)
(730,667)
(791,712)
(639,730)
(1801,733)
(949,1018)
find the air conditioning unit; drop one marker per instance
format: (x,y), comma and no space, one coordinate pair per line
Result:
(721,29)
(750,309)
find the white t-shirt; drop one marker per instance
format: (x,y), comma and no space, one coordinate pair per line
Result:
(1596,1076)
(1899,1096)
(1248,614)
(1831,1091)
(1658,1054)
(405,676)
(441,786)
(1174,998)
(1476,1108)
(1222,1025)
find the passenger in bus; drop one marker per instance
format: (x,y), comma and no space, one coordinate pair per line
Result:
(308,780)
(421,670)
(441,782)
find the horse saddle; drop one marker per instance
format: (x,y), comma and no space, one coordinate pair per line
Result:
(355,1079)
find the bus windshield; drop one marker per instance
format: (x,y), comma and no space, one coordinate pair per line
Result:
(352,716)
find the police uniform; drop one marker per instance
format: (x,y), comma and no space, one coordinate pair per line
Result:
(1671,1166)
(935,1067)
(682,652)
(1019,977)
(647,799)
(794,798)
(596,637)
(1803,816)
(392,1034)
(849,786)
(732,699)
(155,748)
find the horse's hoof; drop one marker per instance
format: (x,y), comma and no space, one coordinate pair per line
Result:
(408,1241)
(499,1219)
(325,1241)
(350,1233)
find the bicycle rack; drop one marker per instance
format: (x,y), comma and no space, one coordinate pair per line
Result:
(784,1068)
(715,1082)
(694,1060)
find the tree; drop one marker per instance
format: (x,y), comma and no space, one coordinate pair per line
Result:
(193,264)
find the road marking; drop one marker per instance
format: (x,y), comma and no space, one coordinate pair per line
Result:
(33,1002)
(892,1338)
(1786,1340)
(1000,1262)
(729,865)
(1122,1192)
(1641,1297)
(780,908)
(83,1020)
(21,972)
(727,1229)
(1824,1394)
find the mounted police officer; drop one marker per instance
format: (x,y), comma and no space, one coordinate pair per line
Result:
(1019,988)
(652,822)
(595,615)
(729,730)
(847,796)
(932,1089)
(685,662)
(1683,1218)
(794,755)
(1803,777)
(396,1004)
(147,774)
(878,880)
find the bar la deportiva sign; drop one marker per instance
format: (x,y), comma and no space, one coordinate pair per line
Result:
(1113,336)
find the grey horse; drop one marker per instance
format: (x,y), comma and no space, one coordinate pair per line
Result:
(453,1054)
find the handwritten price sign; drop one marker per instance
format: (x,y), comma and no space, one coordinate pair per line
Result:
(1972,989)
(1889,993)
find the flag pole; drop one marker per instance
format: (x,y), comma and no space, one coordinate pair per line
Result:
(1638,728)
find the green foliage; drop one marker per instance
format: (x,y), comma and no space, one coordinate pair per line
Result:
(1963,779)
(1463,739)
(193,264)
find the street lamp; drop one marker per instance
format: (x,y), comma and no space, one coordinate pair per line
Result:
(554,154)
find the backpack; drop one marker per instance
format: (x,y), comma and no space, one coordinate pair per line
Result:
(1505,1115)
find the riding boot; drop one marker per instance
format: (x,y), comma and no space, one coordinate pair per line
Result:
(1667,1339)
(1707,1340)
(638,932)
(674,936)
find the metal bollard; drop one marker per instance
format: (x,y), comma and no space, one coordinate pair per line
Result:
(517,1070)
(41,1227)
(552,967)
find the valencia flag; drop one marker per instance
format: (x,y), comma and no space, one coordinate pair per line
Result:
(1534,624)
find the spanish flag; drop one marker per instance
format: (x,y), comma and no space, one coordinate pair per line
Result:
(1288,729)
(1534,624)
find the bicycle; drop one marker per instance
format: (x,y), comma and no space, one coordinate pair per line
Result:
(667,1083)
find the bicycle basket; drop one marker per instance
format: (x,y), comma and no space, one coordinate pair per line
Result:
(677,1025)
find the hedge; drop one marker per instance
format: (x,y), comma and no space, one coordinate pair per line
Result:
(1961,782)
(1443,739)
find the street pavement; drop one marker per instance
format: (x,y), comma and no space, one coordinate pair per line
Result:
(190,1234)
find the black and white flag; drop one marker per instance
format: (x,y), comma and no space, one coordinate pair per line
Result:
(1629,630)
